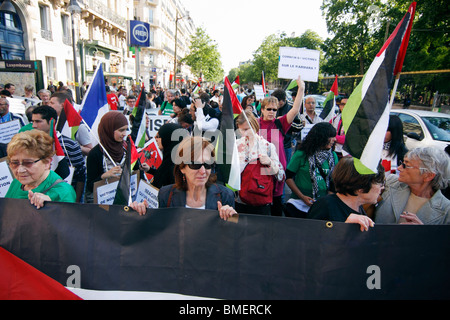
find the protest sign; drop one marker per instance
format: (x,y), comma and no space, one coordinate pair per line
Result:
(147,192)
(8,130)
(259,92)
(5,178)
(105,191)
(151,155)
(298,61)
(155,122)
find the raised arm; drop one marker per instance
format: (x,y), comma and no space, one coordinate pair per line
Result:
(297,102)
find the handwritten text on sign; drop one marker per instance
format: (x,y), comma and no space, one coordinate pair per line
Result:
(298,61)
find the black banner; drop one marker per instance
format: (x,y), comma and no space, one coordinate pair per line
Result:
(194,252)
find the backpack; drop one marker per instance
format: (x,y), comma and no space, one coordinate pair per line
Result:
(257,184)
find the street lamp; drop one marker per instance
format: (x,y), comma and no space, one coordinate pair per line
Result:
(74,8)
(175,55)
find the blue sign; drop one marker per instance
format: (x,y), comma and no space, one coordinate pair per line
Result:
(138,34)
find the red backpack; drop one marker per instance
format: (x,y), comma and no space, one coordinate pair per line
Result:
(257,184)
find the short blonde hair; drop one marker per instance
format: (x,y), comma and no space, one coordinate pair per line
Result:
(268,101)
(35,142)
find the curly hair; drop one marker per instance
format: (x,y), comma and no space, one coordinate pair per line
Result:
(317,138)
(35,142)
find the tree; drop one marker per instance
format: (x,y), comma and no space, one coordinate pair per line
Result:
(204,57)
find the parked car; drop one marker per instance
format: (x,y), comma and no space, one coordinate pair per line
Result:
(424,128)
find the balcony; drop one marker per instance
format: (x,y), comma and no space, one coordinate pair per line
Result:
(47,34)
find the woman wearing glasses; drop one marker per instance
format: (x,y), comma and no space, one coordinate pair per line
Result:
(414,196)
(29,157)
(273,130)
(195,185)
(353,190)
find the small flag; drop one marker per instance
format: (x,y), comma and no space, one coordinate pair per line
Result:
(366,114)
(330,102)
(123,192)
(139,122)
(263,83)
(68,121)
(235,83)
(226,148)
(95,102)
(196,88)
(59,152)
(291,84)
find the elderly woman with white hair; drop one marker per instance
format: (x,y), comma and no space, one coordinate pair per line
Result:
(414,196)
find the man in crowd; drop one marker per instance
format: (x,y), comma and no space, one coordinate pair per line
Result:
(5,115)
(83,136)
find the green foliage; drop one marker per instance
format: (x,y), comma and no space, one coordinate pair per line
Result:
(204,57)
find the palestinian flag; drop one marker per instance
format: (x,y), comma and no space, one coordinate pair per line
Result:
(330,102)
(366,114)
(196,88)
(139,122)
(68,121)
(291,84)
(59,152)
(123,192)
(21,281)
(235,83)
(263,83)
(226,149)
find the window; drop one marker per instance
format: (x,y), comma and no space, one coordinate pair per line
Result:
(51,68)
(65,23)
(46,31)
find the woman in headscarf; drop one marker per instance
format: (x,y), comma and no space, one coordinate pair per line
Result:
(163,175)
(105,160)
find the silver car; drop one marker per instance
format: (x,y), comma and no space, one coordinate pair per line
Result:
(424,128)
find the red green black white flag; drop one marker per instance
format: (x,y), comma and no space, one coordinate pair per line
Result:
(366,114)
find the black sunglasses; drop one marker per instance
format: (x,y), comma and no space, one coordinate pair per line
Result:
(197,166)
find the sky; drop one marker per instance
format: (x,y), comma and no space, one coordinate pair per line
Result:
(240,26)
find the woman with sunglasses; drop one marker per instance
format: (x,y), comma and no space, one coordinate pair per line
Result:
(274,129)
(29,157)
(195,185)
(414,195)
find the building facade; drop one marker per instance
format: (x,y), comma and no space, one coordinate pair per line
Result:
(42,30)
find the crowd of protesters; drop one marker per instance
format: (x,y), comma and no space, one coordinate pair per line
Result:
(310,174)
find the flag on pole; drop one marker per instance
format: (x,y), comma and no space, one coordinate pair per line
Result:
(95,102)
(68,121)
(235,83)
(291,84)
(366,114)
(59,152)
(123,192)
(226,148)
(330,102)
(139,119)
(196,88)
(263,83)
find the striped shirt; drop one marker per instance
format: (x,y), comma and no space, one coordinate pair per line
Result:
(72,151)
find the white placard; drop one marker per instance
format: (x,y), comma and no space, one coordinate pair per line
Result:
(5,178)
(306,128)
(16,105)
(149,193)
(8,130)
(299,61)
(155,122)
(259,92)
(107,192)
